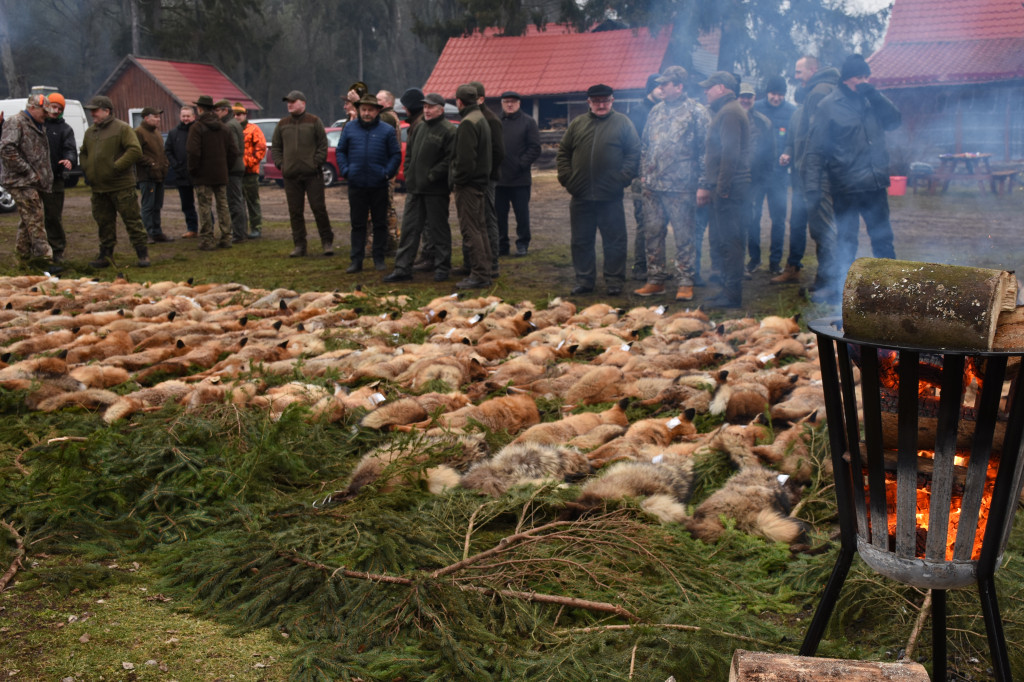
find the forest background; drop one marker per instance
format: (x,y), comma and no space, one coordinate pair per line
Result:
(269,47)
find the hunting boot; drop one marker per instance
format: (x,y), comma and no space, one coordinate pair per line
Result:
(143,253)
(102,260)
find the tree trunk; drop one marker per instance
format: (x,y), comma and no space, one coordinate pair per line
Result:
(16,86)
(756,666)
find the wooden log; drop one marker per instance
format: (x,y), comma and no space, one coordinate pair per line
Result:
(925,304)
(757,666)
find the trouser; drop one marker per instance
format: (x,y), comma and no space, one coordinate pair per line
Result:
(296,190)
(30,239)
(850,208)
(236,205)
(151,195)
(369,202)
(476,247)
(491,217)
(53,211)
(776,191)
(797,227)
(518,199)
(251,191)
(205,197)
(660,209)
(106,206)
(393,225)
(586,219)
(727,233)
(640,239)
(187,196)
(425,216)
(703,217)
(821,225)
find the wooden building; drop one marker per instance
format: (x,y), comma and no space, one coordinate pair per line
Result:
(139,82)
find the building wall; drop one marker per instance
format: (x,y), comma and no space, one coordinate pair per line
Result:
(134,89)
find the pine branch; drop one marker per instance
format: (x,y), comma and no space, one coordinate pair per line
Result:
(926,609)
(664,626)
(19,552)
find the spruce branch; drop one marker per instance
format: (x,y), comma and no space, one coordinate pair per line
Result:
(664,626)
(19,552)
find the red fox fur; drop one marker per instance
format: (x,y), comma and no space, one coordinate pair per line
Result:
(519,463)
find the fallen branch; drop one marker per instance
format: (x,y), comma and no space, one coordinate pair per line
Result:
(926,608)
(663,626)
(19,552)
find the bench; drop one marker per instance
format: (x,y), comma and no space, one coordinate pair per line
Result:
(1003,180)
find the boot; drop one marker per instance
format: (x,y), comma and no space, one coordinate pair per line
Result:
(102,260)
(143,253)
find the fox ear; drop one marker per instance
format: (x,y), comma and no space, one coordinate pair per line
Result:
(243,320)
(180,344)
(301,327)
(527,315)
(63,355)
(121,312)
(276,325)
(443,314)
(244,340)
(5,357)
(690,413)
(282,305)
(283,345)
(171,315)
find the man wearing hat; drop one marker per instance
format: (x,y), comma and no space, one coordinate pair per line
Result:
(299,149)
(211,150)
(151,171)
(236,199)
(110,150)
(255,150)
(638,115)
(368,157)
(469,175)
(763,157)
(521,140)
(427,158)
(847,146)
(26,173)
(598,157)
(63,157)
(671,164)
(497,156)
(726,186)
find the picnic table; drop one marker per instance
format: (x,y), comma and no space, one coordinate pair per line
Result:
(971,166)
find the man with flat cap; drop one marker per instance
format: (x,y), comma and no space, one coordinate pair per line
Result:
(671,164)
(299,149)
(110,150)
(427,158)
(598,157)
(522,147)
(470,173)
(726,186)
(151,171)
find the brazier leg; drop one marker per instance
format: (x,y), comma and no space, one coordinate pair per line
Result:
(828,602)
(994,629)
(938,636)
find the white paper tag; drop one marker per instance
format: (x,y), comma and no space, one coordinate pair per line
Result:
(657,459)
(765,359)
(624,347)
(783,478)
(454,296)
(383,316)
(560,344)
(700,350)
(451,331)
(476,318)
(376,399)
(660,310)
(673,422)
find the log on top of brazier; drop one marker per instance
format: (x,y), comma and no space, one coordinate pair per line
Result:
(925,304)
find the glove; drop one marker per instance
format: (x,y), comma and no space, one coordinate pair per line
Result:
(867,89)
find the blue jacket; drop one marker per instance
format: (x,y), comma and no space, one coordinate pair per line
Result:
(368,155)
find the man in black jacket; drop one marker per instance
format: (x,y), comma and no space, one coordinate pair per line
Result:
(63,157)
(522,147)
(177,157)
(846,152)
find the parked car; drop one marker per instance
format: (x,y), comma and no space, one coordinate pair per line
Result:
(330,168)
(268,126)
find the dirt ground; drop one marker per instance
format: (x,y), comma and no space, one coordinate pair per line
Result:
(966,226)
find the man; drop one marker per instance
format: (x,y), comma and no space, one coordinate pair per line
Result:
(211,150)
(638,116)
(427,158)
(780,113)
(386,99)
(846,145)
(299,149)
(150,172)
(763,156)
(470,172)
(368,156)
(497,156)
(598,157)
(255,150)
(63,157)
(816,84)
(177,158)
(726,185)
(521,142)
(671,164)
(110,150)
(26,172)
(236,198)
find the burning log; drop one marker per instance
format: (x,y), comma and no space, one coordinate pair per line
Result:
(900,302)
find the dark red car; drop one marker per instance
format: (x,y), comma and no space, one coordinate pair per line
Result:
(330,168)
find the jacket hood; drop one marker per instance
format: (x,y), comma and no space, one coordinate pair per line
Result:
(722,101)
(829,75)
(211,121)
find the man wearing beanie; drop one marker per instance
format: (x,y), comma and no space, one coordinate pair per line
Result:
(847,150)
(63,157)
(598,157)
(638,115)
(470,173)
(254,150)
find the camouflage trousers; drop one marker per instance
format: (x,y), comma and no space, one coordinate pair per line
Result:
(30,241)
(205,197)
(660,209)
(106,206)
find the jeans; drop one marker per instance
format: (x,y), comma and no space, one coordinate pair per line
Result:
(368,202)
(849,209)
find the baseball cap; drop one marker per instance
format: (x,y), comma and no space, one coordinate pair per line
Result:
(100,102)
(746,89)
(434,98)
(719,78)
(673,74)
(293,96)
(146,111)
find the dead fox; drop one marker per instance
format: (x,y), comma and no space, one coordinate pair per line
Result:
(520,463)
(660,431)
(567,428)
(511,414)
(665,485)
(412,409)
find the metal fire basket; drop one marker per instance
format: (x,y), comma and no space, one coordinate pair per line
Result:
(940,442)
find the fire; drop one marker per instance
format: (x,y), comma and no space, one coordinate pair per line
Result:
(930,374)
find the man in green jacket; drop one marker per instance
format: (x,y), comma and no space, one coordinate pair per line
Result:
(110,150)
(470,173)
(598,157)
(299,149)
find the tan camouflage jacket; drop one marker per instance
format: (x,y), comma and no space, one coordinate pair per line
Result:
(672,150)
(25,155)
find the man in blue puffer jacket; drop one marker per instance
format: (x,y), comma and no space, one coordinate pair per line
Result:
(368,157)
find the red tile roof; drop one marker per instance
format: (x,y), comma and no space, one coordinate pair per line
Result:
(950,42)
(551,62)
(188,80)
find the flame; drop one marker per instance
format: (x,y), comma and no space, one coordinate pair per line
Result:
(930,375)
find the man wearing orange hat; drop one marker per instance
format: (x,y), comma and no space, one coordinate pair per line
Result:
(63,157)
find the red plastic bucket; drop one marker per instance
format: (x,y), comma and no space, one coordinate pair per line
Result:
(897,185)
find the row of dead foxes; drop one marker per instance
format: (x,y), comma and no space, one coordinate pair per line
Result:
(68,342)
